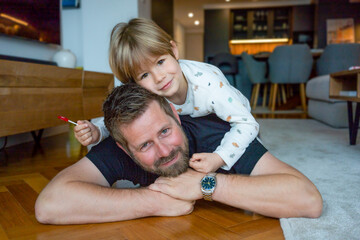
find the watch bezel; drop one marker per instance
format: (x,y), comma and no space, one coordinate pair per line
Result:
(212,176)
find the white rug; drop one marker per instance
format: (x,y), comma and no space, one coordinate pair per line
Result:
(324,155)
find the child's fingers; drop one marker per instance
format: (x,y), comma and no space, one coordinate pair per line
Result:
(193,164)
(197,166)
(83,132)
(86,136)
(87,141)
(196,156)
(81,124)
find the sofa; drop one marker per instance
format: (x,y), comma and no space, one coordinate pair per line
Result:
(335,58)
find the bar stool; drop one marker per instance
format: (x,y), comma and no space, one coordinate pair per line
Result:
(227,63)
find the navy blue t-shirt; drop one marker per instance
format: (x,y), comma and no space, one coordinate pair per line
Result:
(204,135)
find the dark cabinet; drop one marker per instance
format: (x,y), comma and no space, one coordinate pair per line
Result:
(260,23)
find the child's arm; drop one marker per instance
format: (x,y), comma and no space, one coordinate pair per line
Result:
(230,105)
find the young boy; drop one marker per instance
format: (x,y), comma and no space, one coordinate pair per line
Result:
(141,52)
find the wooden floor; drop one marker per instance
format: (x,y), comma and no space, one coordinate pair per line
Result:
(25,170)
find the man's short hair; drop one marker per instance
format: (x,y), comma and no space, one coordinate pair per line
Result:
(133,42)
(125,104)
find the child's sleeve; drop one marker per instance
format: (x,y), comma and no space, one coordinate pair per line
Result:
(231,106)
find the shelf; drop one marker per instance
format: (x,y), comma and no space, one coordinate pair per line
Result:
(260,20)
(261,23)
(285,18)
(280,29)
(345,85)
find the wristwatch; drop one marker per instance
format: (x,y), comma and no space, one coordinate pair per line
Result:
(208,184)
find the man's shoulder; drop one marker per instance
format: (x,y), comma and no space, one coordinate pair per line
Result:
(204,127)
(204,133)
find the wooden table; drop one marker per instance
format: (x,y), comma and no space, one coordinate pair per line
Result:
(345,85)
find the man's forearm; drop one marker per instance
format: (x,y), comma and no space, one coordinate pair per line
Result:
(74,198)
(80,202)
(278,195)
(273,189)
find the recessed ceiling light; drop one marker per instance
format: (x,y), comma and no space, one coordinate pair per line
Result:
(190,14)
(197,22)
(227,0)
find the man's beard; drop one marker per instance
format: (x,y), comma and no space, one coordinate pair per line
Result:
(174,170)
(177,168)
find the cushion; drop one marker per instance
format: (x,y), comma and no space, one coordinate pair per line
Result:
(318,88)
(332,113)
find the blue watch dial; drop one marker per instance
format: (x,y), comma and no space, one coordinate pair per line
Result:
(208,183)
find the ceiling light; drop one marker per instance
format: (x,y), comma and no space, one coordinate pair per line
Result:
(227,0)
(197,22)
(190,14)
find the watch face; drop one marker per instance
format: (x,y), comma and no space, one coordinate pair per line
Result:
(208,183)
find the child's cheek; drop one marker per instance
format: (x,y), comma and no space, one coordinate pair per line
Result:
(148,85)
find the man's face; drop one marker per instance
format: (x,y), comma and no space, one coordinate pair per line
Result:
(157,143)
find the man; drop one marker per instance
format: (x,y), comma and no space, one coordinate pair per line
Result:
(147,129)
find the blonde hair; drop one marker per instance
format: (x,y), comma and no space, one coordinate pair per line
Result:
(132,43)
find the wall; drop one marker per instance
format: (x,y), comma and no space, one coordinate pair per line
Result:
(98,18)
(144,8)
(216,32)
(332,9)
(85,31)
(162,12)
(179,37)
(195,45)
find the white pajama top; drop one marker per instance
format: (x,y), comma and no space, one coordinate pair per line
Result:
(210,92)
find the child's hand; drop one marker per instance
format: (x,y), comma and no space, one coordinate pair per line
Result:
(86,132)
(206,162)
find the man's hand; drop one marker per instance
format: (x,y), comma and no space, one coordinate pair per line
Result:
(86,132)
(206,162)
(186,186)
(164,205)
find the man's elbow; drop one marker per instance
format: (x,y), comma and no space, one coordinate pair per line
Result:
(44,211)
(314,205)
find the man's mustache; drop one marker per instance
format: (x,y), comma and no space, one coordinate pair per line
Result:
(168,158)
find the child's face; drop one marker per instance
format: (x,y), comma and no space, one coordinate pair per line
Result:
(162,75)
